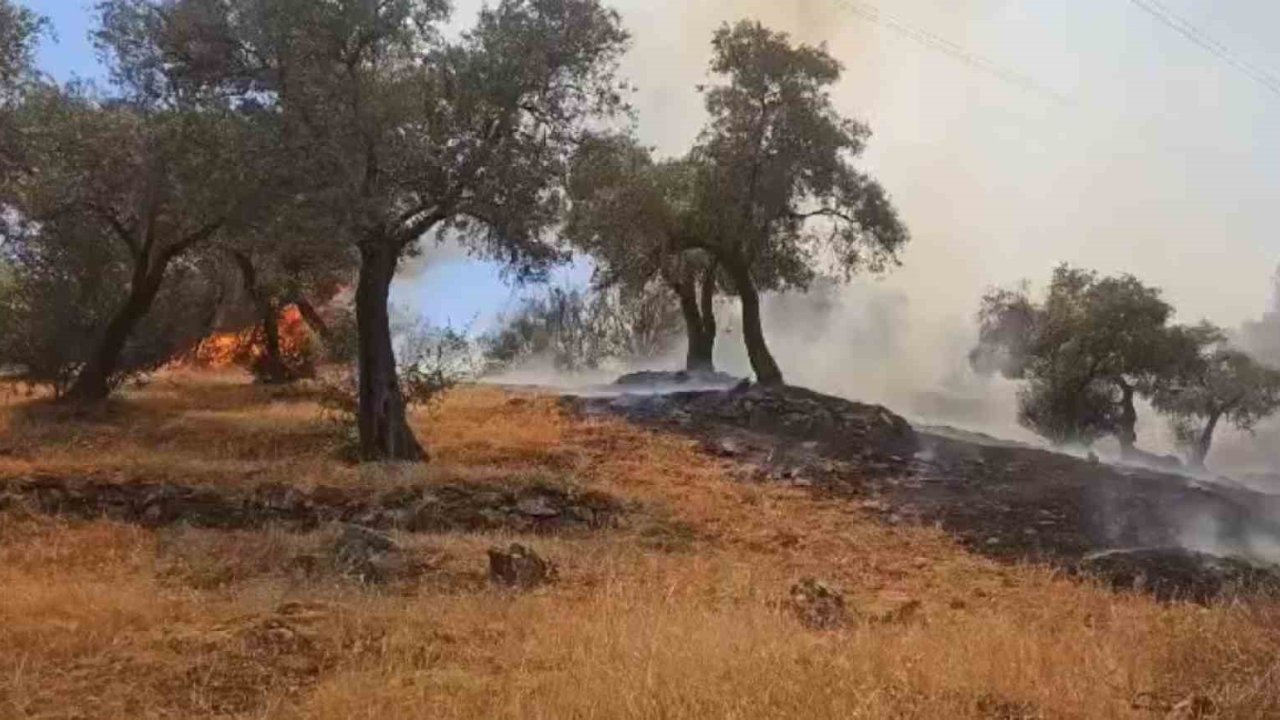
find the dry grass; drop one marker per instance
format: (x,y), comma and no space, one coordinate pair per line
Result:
(102,620)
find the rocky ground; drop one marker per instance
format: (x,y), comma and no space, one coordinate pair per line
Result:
(446,507)
(1167,534)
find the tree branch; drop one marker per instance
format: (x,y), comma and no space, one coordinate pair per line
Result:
(121,230)
(190,240)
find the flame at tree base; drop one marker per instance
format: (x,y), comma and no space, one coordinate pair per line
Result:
(247,348)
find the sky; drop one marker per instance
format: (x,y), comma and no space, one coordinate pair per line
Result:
(1138,151)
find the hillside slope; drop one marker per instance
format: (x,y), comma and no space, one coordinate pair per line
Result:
(673,604)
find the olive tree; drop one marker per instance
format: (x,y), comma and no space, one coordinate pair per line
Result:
(1220,384)
(408,134)
(632,214)
(156,181)
(20,29)
(778,195)
(67,278)
(291,260)
(1086,352)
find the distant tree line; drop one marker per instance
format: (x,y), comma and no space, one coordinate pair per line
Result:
(1095,344)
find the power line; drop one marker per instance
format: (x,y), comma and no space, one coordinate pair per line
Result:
(873,14)
(1166,16)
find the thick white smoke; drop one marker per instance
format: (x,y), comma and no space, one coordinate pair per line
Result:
(1159,162)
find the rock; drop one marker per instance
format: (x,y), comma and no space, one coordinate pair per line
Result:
(519,567)
(432,508)
(727,448)
(839,428)
(998,708)
(537,506)
(366,555)
(817,605)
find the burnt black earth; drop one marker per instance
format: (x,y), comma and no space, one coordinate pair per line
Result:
(1174,536)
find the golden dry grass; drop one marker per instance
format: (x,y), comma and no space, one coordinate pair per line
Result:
(104,620)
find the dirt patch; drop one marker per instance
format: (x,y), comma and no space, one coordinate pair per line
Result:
(533,508)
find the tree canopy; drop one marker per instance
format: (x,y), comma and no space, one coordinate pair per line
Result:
(1092,346)
(767,200)
(1220,384)
(780,198)
(633,214)
(404,132)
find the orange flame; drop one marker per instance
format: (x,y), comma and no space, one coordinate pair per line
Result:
(244,347)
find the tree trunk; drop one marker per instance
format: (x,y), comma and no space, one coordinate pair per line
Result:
(700,357)
(269,368)
(384,429)
(313,319)
(708,312)
(1205,443)
(1127,426)
(272,369)
(762,362)
(94,381)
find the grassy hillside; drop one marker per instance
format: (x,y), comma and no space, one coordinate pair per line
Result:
(676,613)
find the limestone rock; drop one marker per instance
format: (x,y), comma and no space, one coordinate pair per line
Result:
(366,554)
(519,567)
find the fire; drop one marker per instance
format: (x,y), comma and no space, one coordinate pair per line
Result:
(244,348)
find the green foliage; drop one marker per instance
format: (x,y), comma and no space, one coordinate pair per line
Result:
(20,30)
(632,214)
(64,282)
(433,361)
(399,130)
(1085,352)
(1219,384)
(781,195)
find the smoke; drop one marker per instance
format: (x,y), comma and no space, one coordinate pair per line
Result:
(1160,163)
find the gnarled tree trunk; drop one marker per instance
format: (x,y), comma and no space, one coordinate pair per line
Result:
(1127,425)
(270,368)
(702,344)
(762,362)
(1200,452)
(384,428)
(95,380)
(273,370)
(313,318)
(708,311)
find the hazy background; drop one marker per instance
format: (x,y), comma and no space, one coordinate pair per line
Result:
(1138,152)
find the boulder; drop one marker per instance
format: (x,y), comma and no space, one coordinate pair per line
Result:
(366,555)
(518,567)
